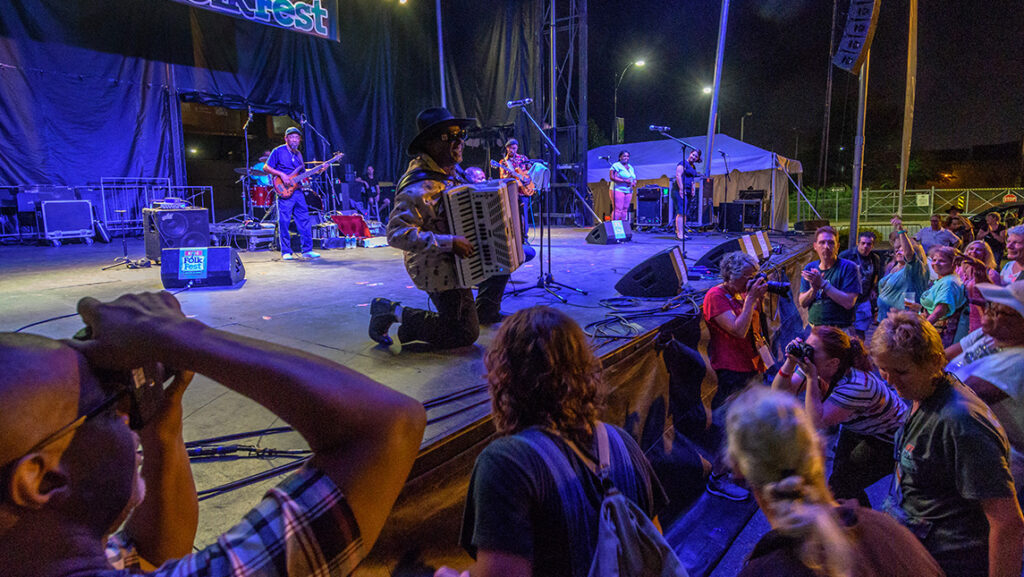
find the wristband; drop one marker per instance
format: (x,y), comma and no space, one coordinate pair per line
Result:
(784,374)
(901,231)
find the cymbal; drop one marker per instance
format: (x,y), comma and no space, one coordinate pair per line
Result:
(315,162)
(243,170)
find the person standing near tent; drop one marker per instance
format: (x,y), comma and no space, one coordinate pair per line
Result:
(684,203)
(285,161)
(623,179)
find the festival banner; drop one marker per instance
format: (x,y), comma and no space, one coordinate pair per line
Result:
(316,17)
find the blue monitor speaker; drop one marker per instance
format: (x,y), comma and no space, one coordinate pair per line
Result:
(206,266)
(610,232)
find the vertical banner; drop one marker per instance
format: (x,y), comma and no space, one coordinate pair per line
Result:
(314,17)
(908,105)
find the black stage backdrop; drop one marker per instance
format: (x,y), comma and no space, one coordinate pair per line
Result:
(91,88)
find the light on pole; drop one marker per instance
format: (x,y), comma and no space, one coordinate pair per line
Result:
(619,126)
(706,91)
(742,119)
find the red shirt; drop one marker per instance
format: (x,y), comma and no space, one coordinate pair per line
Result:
(726,351)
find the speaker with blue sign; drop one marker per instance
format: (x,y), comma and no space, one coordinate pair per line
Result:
(207,266)
(662,275)
(610,232)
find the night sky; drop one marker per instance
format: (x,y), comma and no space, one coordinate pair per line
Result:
(970,72)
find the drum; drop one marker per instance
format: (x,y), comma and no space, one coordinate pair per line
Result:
(261,196)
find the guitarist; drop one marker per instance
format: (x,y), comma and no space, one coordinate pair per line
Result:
(286,162)
(521,164)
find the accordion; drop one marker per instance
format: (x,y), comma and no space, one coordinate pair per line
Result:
(487,214)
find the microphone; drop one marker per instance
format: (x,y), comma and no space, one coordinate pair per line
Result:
(520,102)
(656,128)
(302,118)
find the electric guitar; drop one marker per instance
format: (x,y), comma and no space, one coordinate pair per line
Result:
(526,186)
(285,190)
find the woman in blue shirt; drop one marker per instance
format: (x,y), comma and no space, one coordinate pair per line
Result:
(907,273)
(623,179)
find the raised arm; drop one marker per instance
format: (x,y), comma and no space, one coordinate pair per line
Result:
(364,436)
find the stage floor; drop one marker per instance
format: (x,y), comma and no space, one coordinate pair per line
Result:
(322,306)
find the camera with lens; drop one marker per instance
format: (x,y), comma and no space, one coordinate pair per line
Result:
(144,386)
(780,288)
(802,351)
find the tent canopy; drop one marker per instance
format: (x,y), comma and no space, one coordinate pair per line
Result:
(658,158)
(735,166)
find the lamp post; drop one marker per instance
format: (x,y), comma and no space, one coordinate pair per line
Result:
(619,127)
(742,119)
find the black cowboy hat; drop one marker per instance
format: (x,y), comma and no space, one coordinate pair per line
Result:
(433,121)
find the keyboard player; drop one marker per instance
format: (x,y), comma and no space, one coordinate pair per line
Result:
(418,227)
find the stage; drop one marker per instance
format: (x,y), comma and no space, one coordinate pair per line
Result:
(322,306)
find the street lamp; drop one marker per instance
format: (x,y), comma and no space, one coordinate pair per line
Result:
(706,91)
(742,119)
(619,127)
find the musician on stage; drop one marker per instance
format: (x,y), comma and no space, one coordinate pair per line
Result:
(684,201)
(623,179)
(521,164)
(286,161)
(419,227)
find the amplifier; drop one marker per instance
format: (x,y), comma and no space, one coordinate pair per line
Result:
(652,212)
(174,228)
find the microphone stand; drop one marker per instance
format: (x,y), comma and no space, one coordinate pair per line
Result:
(330,169)
(682,193)
(545,281)
(247,213)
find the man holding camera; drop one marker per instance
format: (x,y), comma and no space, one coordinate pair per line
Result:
(70,464)
(829,288)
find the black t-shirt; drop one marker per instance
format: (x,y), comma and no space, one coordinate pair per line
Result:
(994,243)
(870,267)
(689,173)
(513,503)
(370,188)
(952,454)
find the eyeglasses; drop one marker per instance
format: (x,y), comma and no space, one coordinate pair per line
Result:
(100,409)
(459,134)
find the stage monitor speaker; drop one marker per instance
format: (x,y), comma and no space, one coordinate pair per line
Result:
(857,36)
(661,275)
(207,266)
(732,217)
(711,257)
(610,232)
(174,228)
(809,225)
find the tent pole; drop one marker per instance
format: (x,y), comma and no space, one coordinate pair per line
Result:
(440,54)
(858,147)
(713,113)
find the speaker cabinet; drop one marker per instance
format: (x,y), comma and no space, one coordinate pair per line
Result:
(712,257)
(174,228)
(652,212)
(857,36)
(610,232)
(661,275)
(213,266)
(809,225)
(732,217)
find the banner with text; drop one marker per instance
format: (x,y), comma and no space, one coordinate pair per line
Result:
(315,17)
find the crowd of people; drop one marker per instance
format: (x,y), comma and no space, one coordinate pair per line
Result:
(931,401)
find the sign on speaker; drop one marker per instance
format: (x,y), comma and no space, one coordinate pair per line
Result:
(192,263)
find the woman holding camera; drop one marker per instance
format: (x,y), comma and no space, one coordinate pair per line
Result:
(978,267)
(730,310)
(845,391)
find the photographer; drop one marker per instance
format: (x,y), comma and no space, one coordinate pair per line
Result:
(845,391)
(732,312)
(70,463)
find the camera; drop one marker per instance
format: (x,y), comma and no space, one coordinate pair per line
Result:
(780,288)
(143,386)
(802,351)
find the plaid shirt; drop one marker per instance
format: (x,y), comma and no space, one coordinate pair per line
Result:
(303,527)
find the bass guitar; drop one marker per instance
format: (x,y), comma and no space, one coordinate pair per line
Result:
(526,185)
(285,190)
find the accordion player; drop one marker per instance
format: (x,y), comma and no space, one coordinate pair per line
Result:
(487,215)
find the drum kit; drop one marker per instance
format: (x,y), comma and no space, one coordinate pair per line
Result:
(258,192)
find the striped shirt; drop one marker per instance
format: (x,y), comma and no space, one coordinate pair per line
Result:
(877,410)
(303,526)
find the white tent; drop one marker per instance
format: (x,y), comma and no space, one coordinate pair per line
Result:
(747,167)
